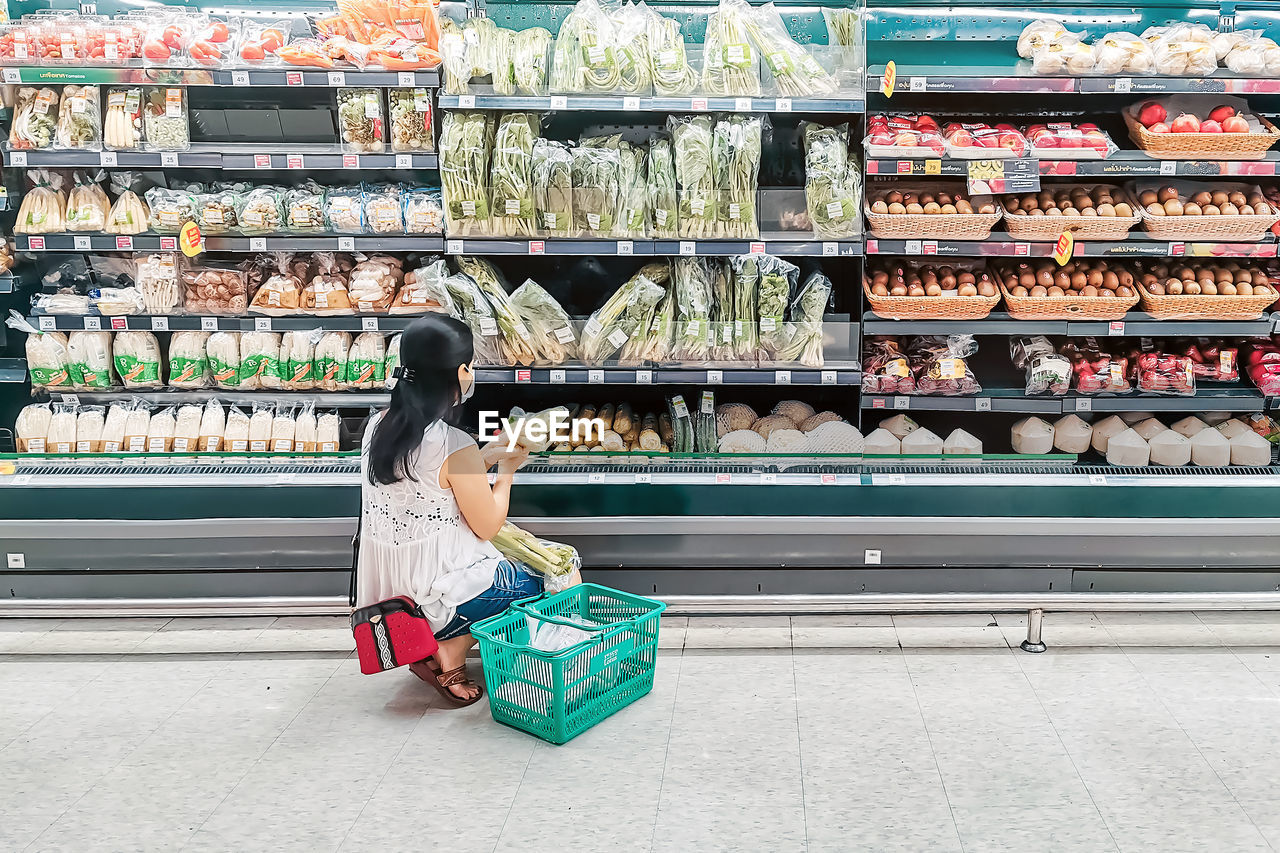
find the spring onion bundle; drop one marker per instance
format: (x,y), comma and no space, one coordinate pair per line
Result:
(830,181)
(722,310)
(805,327)
(453,51)
(512,193)
(668,61)
(633,351)
(795,72)
(478,314)
(476,49)
(529,60)
(595,189)
(516,344)
(729,64)
(554,339)
(659,341)
(691,280)
(464,171)
(773,295)
(843,26)
(633,191)
(502,61)
(746,330)
(691,139)
(663,203)
(735,156)
(553,188)
(611,325)
(585,59)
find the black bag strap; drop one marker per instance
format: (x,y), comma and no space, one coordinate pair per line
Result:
(355,559)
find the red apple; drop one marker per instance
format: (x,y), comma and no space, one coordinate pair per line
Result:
(1097,140)
(961,138)
(1151,113)
(881,137)
(1004,127)
(1236,124)
(1088,125)
(1044,140)
(1222,113)
(906,140)
(1070,140)
(1159,127)
(1185,123)
(1210,126)
(926,123)
(1013,140)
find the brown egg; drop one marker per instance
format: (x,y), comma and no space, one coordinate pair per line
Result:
(894,197)
(879,207)
(1191,209)
(1220,198)
(1226,288)
(896,208)
(1155,209)
(1202,198)
(1230,209)
(879,290)
(1146,197)
(932,208)
(963,206)
(1166,194)
(1210,210)
(1106,209)
(1173,207)
(1123,209)
(898,290)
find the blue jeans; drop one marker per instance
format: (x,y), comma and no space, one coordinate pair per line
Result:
(511,582)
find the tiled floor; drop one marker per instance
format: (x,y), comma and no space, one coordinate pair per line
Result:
(1135,732)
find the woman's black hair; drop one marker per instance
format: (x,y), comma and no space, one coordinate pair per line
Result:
(431,350)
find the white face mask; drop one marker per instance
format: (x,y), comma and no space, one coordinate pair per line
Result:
(471,387)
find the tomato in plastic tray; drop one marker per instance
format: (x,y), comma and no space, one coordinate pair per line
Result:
(1164,373)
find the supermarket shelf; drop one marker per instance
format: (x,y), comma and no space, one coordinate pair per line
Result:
(170,397)
(1206,399)
(7,283)
(13,370)
(1017,77)
(543,103)
(1001,245)
(283,242)
(670,376)
(1134,323)
(991,400)
(202,77)
(229,155)
(650,248)
(1119,164)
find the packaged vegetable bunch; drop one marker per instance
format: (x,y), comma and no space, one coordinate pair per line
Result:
(383,209)
(511,200)
(164,119)
(411,120)
(664,206)
(596,168)
(804,328)
(554,339)
(423,211)
(796,74)
(516,344)
(776,285)
(79,119)
(361,120)
(35,119)
(746,285)
(668,62)
(611,325)
(529,61)
(465,141)
(552,176)
(43,205)
(633,192)
(87,204)
(555,561)
(477,313)
(48,361)
(735,156)
(694,336)
(631,50)
(831,184)
(585,58)
(731,65)
(722,312)
(476,50)
(691,139)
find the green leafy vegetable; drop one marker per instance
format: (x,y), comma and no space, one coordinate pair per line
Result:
(691,278)
(610,326)
(595,189)
(691,139)
(777,282)
(554,338)
(464,171)
(553,188)
(663,204)
(516,344)
(512,194)
(830,181)
(746,284)
(736,158)
(529,60)
(805,326)
(729,62)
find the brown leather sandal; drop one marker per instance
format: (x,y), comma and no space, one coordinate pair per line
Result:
(429,671)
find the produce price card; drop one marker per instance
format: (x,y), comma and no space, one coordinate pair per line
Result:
(1004,176)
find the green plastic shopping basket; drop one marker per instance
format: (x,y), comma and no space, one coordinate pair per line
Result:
(559,695)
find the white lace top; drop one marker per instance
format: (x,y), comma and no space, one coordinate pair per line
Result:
(414,540)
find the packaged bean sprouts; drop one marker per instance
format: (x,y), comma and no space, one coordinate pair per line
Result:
(412,129)
(32,427)
(362,120)
(283,429)
(79,119)
(260,361)
(164,118)
(186,428)
(304,429)
(297,359)
(189,360)
(136,427)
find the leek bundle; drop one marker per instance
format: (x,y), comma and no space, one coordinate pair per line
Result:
(735,155)
(804,329)
(830,181)
(502,61)
(691,139)
(612,324)
(669,63)
(631,49)
(512,193)
(795,72)
(529,60)
(595,189)
(554,560)
(722,310)
(729,65)
(464,171)
(746,283)
(634,192)
(663,203)
(516,344)
(691,280)
(632,354)
(773,295)
(554,339)
(553,188)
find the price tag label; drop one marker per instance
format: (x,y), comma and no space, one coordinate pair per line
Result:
(537,247)
(757,248)
(12,75)
(124,244)
(631,104)
(723,479)
(208,324)
(982,404)
(82,243)
(913,247)
(262,161)
(159,324)
(369,324)
(830,249)
(35,244)
(1097,479)
(644,377)
(169,159)
(1168,167)
(1064,248)
(889,79)
(769,479)
(119,324)
(557,377)
(929,247)
(595,477)
(93,324)
(19,480)
(644,477)
(1084,404)
(782,105)
(17,158)
(262,324)
(239,78)
(169,244)
(524,376)
(351,161)
(346,244)
(919,84)
(742,105)
(1000,176)
(454,247)
(404,161)
(595,377)
(1115,328)
(1123,85)
(337,78)
(408,78)
(698,104)
(902,402)
(293,161)
(107,158)
(871,557)
(286,476)
(1177,250)
(626,247)
(830,377)
(688,247)
(47,323)
(257,244)
(782,377)
(715,377)
(467,102)
(71,398)
(293,78)
(559,102)
(933,167)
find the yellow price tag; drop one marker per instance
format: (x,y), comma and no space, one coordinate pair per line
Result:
(889,79)
(933,167)
(191,240)
(7,468)
(1064,248)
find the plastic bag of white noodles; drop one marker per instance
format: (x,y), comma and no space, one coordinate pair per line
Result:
(304,429)
(186,428)
(62,429)
(113,430)
(331,360)
(136,427)
(137,359)
(282,429)
(90,421)
(259,360)
(189,360)
(212,424)
(235,436)
(328,432)
(160,431)
(89,357)
(223,351)
(32,427)
(260,424)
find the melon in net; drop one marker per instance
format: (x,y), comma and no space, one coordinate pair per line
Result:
(769,423)
(742,441)
(835,437)
(787,441)
(734,416)
(814,421)
(797,411)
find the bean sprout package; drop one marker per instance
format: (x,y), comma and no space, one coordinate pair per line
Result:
(48,360)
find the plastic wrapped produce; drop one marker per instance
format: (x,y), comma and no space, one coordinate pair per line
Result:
(596,190)
(735,154)
(206,289)
(424,291)
(79,119)
(1042,32)
(609,327)
(89,360)
(32,427)
(411,120)
(691,282)
(189,360)
(283,430)
(235,431)
(734,416)
(373,284)
(281,294)
(297,360)
(129,215)
(367,361)
(1047,372)
(260,361)
(114,427)
(260,423)
(1072,435)
(464,171)
(43,206)
(1032,436)
(587,56)
(512,197)
(553,335)
(160,431)
(881,442)
(922,442)
(731,65)
(1104,429)
(137,359)
(1171,449)
(831,187)
(261,211)
(164,118)
(344,210)
(1162,373)
(170,209)
(304,429)
(664,205)
(794,71)
(517,341)
(691,139)
(776,285)
(62,429)
(136,427)
(961,443)
(814,421)
(362,120)
(186,428)
(35,119)
(1128,449)
(325,294)
(423,211)
(331,360)
(87,205)
(1210,449)
(804,329)
(1249,448)
(669,65)
(122,123)
(383,209)
(476,311)
(328,430)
